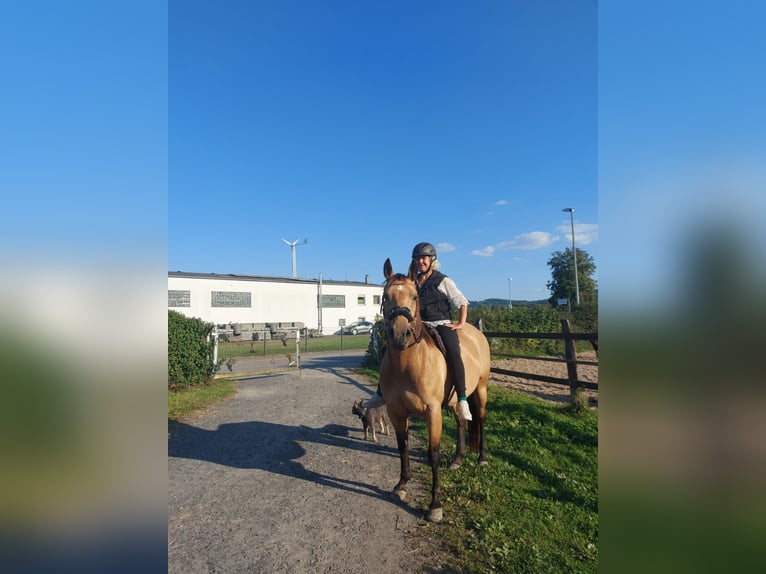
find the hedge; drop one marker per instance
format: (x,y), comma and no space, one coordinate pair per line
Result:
(190,352)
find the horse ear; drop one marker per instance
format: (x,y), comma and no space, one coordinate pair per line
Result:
(388,269)
(412,272)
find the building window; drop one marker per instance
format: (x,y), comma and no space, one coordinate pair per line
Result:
(360,300)
(179,298)
(230,299)
(376,299)
(334,301)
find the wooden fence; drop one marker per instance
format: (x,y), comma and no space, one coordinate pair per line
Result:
(571,359)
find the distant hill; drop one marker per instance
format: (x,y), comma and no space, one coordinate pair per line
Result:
(504,303)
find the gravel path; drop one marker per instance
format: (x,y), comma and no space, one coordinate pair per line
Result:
(279,478)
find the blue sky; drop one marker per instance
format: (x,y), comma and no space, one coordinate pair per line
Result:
(367,127)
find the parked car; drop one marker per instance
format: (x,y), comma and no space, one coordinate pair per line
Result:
(357,327)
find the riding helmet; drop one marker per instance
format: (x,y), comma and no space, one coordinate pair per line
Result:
(423,249)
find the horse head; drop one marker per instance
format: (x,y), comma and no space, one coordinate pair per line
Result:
(400,307)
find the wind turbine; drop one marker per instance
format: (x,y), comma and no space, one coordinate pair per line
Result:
(292,246)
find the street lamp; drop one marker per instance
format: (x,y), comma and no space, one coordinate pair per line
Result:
(574,255)
(510,302)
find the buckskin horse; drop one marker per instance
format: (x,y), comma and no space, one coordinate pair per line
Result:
(414,380)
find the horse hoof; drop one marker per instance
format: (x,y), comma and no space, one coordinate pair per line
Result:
(400,495)
(483,463)
(435,515)
(455,465)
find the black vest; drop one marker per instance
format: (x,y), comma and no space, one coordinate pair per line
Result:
(434,305)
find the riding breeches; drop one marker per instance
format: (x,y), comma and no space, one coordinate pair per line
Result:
(454,360)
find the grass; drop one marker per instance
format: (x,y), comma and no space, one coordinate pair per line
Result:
(308,345)
(189,401)
(534,508)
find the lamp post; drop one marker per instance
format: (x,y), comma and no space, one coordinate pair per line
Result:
(510,302)
(574,255)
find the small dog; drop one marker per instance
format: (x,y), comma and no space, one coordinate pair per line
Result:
(370,418)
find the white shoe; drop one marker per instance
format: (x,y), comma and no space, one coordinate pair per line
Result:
(463,411)
(375,401)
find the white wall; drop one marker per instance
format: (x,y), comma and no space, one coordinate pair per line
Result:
(275,300)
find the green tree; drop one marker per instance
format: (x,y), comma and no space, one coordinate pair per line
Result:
(562,283)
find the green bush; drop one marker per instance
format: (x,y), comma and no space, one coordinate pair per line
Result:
(532,319)
(190,352)
(376,347)
(585,317)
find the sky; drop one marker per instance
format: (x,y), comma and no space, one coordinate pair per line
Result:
(138,138)
(367,127)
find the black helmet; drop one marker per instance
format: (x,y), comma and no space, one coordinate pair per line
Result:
(422,249)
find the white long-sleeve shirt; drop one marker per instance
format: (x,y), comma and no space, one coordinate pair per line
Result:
(455,296)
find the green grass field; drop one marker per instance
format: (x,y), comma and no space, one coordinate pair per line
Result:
(188,401)
(308,345)
(534,508)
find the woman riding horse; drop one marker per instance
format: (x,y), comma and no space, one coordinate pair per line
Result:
(414,380)
(438,294)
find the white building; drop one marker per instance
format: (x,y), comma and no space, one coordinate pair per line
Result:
(255,300)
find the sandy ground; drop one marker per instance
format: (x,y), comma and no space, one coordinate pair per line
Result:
(547,391)
(279,478)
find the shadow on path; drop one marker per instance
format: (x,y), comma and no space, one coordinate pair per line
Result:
(274,448)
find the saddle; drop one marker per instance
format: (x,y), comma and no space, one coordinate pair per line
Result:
(434,332)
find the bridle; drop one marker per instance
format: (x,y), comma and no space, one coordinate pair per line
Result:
(416,326)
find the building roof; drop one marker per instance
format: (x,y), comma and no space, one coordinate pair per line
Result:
(263,278)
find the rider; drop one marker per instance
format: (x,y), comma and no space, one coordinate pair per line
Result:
(438,295)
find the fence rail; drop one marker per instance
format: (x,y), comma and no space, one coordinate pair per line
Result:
(571,359)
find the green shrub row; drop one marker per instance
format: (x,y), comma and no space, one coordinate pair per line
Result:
(190,352)
(521,319)
(533,319)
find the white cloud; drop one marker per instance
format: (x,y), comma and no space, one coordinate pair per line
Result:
(445,248)
(531,240)
(585,233)
(501,202)
(487,251)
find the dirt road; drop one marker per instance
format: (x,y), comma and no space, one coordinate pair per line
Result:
(278,478)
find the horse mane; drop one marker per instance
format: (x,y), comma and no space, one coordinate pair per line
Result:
(397,277)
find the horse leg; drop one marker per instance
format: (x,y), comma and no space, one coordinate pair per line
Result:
(434,423)
(478,434)
(460,448)
(402,442)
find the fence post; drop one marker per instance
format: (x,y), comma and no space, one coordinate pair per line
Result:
(571,356)
(298,349)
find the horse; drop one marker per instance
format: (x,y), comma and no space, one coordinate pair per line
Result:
(414,380)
